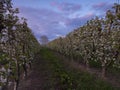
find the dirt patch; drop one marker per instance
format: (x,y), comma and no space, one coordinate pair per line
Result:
(37,78)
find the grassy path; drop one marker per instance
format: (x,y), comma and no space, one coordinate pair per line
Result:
(50,72)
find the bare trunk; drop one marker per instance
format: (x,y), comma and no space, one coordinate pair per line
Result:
(103,71)
(72,59)
(30,65)
(86,63)
(16,81)
(15,85)
(25,70)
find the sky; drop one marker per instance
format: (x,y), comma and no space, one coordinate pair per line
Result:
(55,18)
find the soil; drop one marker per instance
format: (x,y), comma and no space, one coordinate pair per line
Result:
(39,77)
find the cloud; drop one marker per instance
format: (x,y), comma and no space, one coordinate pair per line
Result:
(99,5)
(102,6)
(66,7)
(51,23)
(88,15)
(78,21)
(44,21)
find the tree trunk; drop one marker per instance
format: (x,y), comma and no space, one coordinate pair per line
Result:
(86,63)
(103,71)
(72,59)
(25,70)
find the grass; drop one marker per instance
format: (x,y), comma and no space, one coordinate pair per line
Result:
(67,78)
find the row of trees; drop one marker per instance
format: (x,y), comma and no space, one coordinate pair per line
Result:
(17,46)
(96,41)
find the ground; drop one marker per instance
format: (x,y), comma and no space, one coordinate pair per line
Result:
(51,72)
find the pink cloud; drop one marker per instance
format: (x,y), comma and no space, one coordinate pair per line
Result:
(89,15)
(103,6)
(99,5)
(53,4)
(66,7)
(78,21)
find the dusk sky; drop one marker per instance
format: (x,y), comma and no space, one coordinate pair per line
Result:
(55,18)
